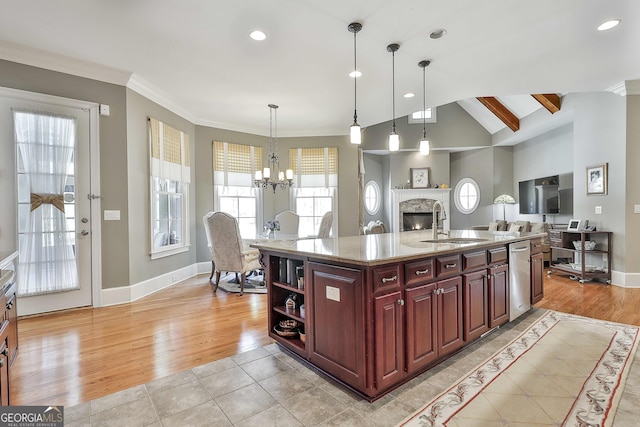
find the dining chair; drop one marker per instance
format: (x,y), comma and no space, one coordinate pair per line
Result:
(325,225)
(228,252)
(288,222)
(205,220)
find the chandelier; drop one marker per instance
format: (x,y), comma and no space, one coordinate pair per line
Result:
(263,178)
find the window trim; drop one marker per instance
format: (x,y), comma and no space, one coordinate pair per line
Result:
(456,196)
(378,202)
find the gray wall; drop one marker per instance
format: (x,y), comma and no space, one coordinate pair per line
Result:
(454,128)
(631,247)
(113,153)
(278,201)
(599,132)
(374,167)
(478,165)
(548,154)
(142,267)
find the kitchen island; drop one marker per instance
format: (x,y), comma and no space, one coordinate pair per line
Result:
(378,310)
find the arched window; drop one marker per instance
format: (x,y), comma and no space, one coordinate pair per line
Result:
(372,197)
(467,195)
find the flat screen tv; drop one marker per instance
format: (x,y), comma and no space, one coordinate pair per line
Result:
(540,196)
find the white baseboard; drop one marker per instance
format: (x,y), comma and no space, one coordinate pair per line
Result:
(625,280)
(126,294)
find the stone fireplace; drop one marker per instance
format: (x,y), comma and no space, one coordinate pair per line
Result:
(413,209)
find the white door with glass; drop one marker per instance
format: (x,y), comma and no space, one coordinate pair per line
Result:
(52,148)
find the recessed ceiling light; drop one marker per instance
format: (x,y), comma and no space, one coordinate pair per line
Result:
(258,35)
(409,95)
(355,74)
(608,25)
(437,34)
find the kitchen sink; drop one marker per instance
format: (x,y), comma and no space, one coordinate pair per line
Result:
(455,240)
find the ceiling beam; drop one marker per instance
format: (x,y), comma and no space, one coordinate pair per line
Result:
(550,101)
(501,112)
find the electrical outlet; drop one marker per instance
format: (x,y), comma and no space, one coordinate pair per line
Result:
(636,208)
(598,210)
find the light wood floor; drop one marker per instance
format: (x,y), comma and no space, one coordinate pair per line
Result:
(73,357)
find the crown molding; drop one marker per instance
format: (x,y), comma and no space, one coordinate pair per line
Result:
(157,95)
(64,64)
(627,87)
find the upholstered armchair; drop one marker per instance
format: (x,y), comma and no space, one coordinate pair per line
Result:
(325,225)
(288,222)
(375,227)
(228,253)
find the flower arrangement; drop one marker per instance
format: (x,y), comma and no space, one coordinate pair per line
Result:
(273,225)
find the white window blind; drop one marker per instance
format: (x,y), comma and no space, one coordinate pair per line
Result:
(314,167)
(235,164)
(170,158)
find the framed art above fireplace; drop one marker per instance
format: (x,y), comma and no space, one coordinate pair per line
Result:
(419,177)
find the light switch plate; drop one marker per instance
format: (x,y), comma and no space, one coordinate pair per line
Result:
(636,208)
(104,109)
(598,210)
(112,215)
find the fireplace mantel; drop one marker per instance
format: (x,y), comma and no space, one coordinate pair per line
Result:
(398,196)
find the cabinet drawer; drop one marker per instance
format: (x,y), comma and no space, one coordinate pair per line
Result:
(473,260)
(497,255)
(448,266)
(385,278)
(536,246)
(419,272)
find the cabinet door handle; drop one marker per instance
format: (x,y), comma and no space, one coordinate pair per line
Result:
(389,279)
(419,272)
(454,265)
(400,302)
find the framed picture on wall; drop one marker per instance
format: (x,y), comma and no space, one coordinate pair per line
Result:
(419,177)
(597,179)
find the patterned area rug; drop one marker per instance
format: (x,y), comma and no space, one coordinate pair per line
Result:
(252,285)
(539,378)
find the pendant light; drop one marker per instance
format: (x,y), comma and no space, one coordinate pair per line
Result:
(394,138)
(356,135)
(280,179)
(424,142)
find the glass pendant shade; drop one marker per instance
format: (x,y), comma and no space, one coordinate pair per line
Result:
(394,142)
(425,147)
(356,136)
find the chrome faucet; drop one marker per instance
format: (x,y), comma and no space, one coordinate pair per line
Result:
(434,226)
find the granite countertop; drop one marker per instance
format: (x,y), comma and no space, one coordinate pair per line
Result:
(374,249)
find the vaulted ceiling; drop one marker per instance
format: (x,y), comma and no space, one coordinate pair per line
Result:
(197,59)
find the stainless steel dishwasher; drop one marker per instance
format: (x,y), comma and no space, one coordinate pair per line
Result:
(519,278)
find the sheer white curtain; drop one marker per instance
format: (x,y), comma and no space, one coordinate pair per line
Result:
(45,147)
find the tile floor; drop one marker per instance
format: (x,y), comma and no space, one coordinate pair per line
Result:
(267,387)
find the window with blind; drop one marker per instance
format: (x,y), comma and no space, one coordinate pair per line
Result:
(234,167)
(315,172)
(170,177)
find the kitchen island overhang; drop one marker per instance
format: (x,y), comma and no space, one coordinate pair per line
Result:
(381,309)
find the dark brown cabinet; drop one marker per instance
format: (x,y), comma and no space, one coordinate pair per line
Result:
(421,322)
(537,270)
(336,322)
(373,327)
(476,304)
(498,295)
(449,315)
(4,372)
(389,339)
